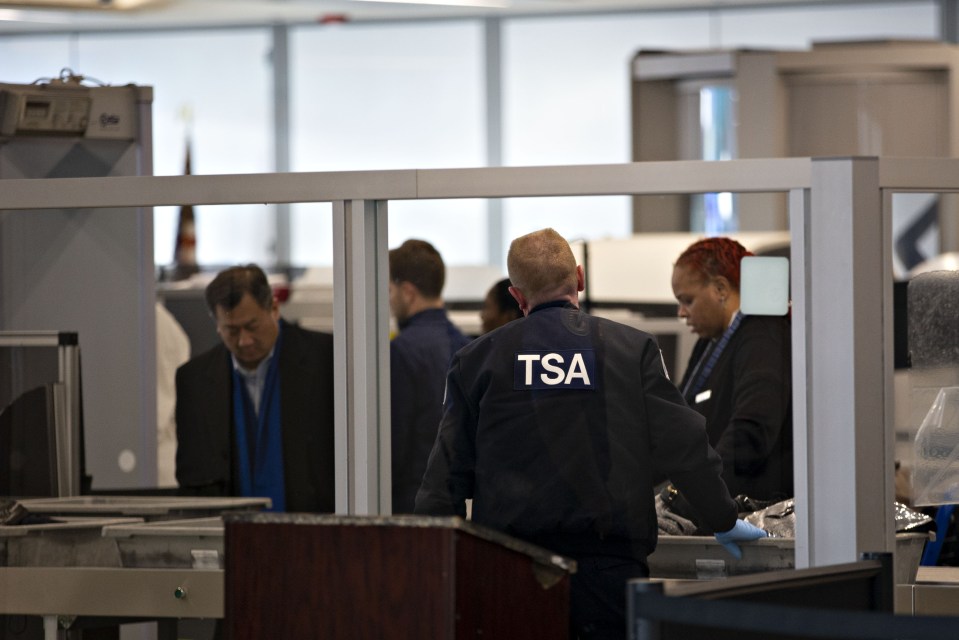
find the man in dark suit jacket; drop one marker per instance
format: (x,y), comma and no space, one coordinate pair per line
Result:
(254,414)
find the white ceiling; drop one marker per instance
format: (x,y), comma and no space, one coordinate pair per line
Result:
(56,15)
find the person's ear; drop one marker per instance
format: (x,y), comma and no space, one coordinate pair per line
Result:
(723,288)
(580,278)
(408,290)
(520,300)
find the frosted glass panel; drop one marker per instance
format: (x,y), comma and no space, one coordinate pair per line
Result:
(764,286)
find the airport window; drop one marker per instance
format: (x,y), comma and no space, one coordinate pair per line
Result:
(401,96)
(220,81)
(566,101)
(25,60)
(411,95)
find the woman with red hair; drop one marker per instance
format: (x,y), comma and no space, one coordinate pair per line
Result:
(738,376)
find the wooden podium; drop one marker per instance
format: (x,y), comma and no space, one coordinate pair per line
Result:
(400,577)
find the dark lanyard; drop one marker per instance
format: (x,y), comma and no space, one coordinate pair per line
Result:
(699,377)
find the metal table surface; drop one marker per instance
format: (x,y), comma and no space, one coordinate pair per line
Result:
(75,566)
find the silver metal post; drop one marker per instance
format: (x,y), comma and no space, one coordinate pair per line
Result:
(848,488)
(361,351)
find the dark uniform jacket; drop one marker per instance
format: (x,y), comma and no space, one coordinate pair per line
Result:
(419,358)
(747,402)
(206,447)
(556,425)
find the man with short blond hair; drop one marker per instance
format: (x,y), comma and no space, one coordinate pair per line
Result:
(556,424)
(545,266)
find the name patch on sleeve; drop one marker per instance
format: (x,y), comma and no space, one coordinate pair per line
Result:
(570,369)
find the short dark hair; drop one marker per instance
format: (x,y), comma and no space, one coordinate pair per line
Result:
(504,299)
(420,264)
(230,285)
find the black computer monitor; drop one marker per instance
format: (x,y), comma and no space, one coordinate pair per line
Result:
(41,414)
(28,468)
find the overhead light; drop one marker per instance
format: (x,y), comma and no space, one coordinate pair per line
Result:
(107,5)
(496,4)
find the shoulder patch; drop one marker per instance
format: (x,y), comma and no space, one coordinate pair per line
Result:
(564,369)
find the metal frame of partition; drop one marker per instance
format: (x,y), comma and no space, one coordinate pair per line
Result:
(839,213)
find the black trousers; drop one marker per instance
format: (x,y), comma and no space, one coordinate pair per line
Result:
(598,595)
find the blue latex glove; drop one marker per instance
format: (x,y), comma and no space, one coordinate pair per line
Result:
(742,531)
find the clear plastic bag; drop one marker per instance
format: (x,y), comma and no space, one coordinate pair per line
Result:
(935,477)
